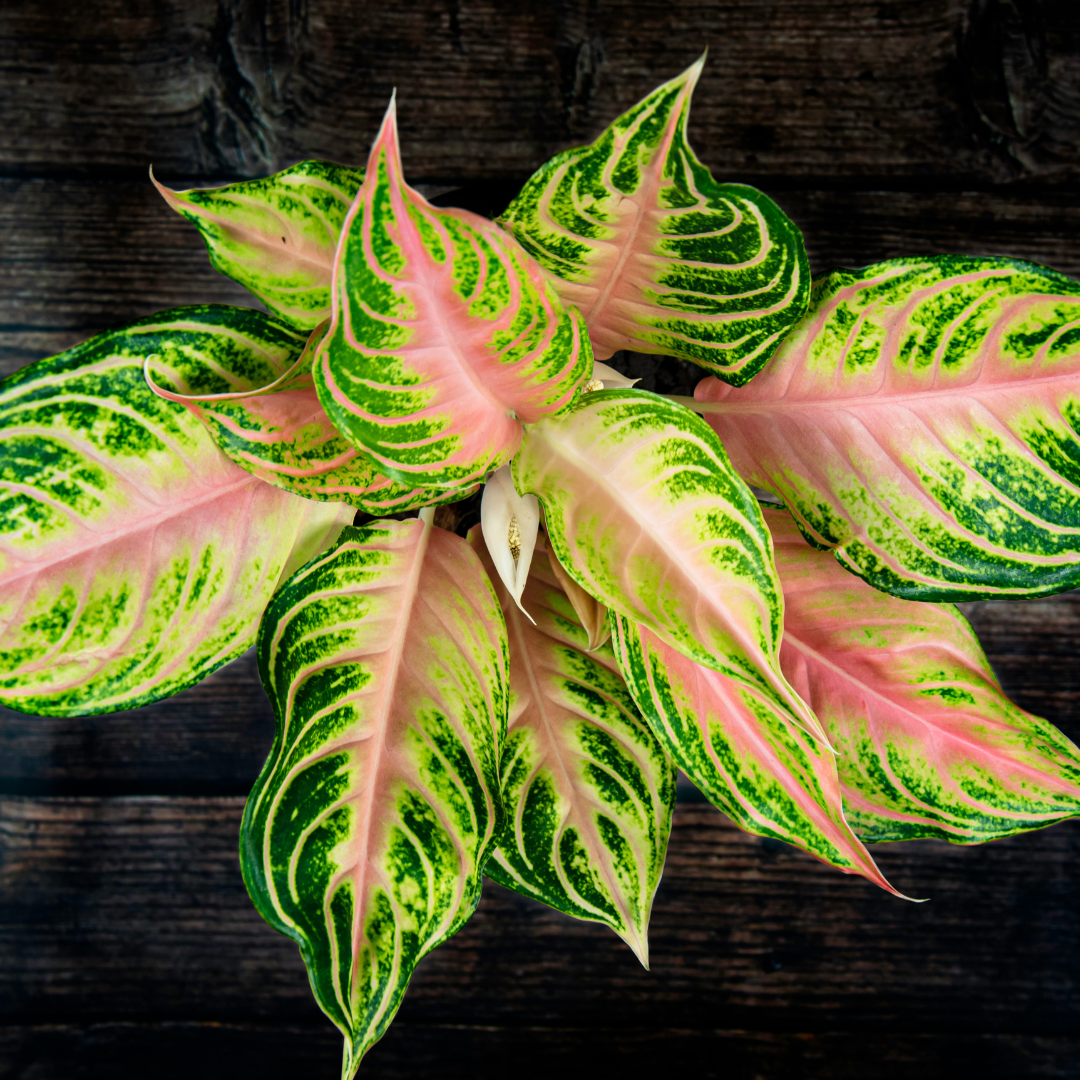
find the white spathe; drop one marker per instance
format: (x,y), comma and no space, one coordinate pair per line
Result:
(509,522)
(611,379)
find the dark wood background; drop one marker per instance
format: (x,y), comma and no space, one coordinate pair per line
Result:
(884,128)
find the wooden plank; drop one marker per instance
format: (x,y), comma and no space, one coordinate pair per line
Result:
(860,227)
(472,1052)
(792,88)
(211,739)
(79,256)
(134,908)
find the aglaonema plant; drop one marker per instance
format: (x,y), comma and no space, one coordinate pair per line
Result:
(517,702)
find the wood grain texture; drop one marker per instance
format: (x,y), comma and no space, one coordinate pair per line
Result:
(883,128)
(211,739)
(746,933)
(536,1052)
(925,88)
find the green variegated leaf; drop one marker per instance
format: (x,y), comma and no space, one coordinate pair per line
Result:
(928,743)
(135,558)
(277,236)
(248,378)
(365,836)
(646,514)
(741,751)
(924,422)
(657,255)
(445,335)
(588,790)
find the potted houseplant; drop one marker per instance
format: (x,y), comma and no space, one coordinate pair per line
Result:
(516,702)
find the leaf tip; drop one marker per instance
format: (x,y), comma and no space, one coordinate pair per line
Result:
(388,133)
(638,943)
(689,78)
(170,196)
(873,874)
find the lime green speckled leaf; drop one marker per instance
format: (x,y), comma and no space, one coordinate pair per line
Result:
(588,790)
(277,236)
(445,335)
(365,836)
(924,422)
(928,744)
(645,512)
(657,255)
(744,754)
(248,378)
(135,558)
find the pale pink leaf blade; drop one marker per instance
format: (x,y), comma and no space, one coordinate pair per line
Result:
(928,744)
(589,791)
(646,515)
(658,256)
(136,558)
(444,336)
(365,837)
(276,236)
(923,420)
(743,752)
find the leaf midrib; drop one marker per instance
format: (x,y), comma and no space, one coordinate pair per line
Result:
(957,737)
(385,709)
(834,402)
(97,539)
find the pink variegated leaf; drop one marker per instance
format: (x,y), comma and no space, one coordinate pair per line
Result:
(928,743)
(365,837)
(741,751)
(277,236)
(588,789)
(135,558)
(658,256)
(444,335)
(248,378)
(923,420)
(646,514)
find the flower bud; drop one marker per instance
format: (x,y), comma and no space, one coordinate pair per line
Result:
(611,379)
(509,522)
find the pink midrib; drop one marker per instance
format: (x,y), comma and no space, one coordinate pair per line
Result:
(385,709)
(816,657)
(253,236)
(835,403)
(95,540)
(520,632)
(628,248)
